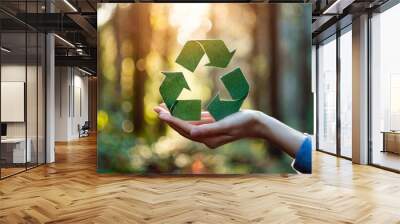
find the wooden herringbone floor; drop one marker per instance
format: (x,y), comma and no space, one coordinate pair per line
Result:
(70,191)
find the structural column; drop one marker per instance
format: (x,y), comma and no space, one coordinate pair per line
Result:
(50,92)
(360,90)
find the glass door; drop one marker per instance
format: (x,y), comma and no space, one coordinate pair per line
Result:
(346,92)
(385,89)
(327,95)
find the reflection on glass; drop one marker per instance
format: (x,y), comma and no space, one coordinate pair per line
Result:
(22,91)
(31,99)
(327,96)
(346,94)
(41,99)
(385,114)
(14,151)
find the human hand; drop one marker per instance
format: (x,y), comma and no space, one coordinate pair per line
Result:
(243,124)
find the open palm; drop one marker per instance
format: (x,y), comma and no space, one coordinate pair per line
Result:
(210,132)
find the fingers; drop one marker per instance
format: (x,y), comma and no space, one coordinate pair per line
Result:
(207,131)
(205,114)
(202,121)
(184,126)
(181,131)
(163,105)
(185,129)
(160,109)
(188,126)
(212,142)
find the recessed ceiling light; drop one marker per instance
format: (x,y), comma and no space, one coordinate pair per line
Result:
(65,41)
(84,71)
(70,5)
(5,50)
(337,7)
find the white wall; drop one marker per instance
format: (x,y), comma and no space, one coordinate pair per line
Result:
(16,73)
(80,111)
(71,94)
(33,126)
(12,73)
(62,81)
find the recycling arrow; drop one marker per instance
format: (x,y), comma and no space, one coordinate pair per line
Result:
(237,87)
(219,56)
(216,51)
(170,90)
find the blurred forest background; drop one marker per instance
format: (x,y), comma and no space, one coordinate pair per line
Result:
(138,41)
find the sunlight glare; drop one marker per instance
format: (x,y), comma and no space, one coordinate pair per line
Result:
(188,18)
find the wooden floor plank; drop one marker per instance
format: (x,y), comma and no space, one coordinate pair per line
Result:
(70,191)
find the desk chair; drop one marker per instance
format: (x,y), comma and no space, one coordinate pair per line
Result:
(84,130)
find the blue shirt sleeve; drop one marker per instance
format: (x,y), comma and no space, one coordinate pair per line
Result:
(302,162)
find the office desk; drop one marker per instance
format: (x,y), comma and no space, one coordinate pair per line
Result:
(391,141)
(15,148)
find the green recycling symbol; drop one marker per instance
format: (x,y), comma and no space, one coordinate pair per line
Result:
(190,56)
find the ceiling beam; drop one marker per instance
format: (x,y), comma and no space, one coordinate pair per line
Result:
(49,22)
(84,24)
(77,61)
(337,6)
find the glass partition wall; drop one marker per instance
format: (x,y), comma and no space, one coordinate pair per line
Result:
(385,89)
(327,95)
(345,61)
(334,94)
(22,88)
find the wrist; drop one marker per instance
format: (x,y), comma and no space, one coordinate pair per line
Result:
(262,121)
